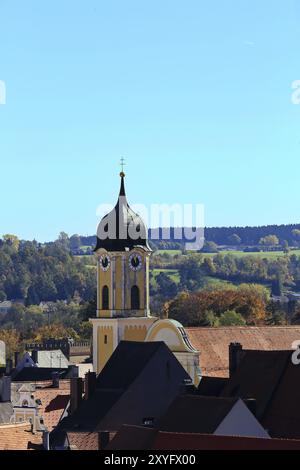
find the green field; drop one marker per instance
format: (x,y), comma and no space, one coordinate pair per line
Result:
(172,273)
(215,282)
(85,248)
(167,252)
(261,254)
(239,254)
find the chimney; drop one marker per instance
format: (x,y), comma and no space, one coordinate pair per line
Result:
(35,356)
(5,389)
(90,384)
(235,356)
(251,405)
(73,371)
(46,440)
(55,379)
(17,358)
(9,367)
(76,393)
(103,439)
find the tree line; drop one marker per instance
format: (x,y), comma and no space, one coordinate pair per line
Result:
(251,236)
(36,273)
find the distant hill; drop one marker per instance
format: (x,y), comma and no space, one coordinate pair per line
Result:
(251,235)
(221,235)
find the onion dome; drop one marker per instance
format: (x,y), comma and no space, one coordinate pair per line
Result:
(122,229)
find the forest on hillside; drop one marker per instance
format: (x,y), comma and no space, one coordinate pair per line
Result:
(246,236)
(54,292)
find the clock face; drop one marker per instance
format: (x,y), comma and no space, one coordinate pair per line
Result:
(104,262)
(135,262)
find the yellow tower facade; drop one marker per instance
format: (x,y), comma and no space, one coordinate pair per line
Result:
(123,283)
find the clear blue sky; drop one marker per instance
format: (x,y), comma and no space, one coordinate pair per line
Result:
(195,94)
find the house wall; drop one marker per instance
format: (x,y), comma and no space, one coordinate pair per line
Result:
(241,422)
(2,354)
(25,361)
(105,345)
(135,333)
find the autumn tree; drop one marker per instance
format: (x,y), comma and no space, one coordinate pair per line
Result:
(269,240)
(12,240)
(12,342)
(54,331)
(234,239)
(191,273)
(231,318)
(210,247)
(75,242)
(167,288)
(194,309)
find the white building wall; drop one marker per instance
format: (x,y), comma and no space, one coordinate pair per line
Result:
(241,422)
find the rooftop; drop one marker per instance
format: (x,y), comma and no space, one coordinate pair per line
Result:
(115,229)
(196,414)
(126,363)
(19,437)
(52,359)
(273,381)
(54,402)
(6,411)
(39,374)
(121,375)
(179,441)
(213,343)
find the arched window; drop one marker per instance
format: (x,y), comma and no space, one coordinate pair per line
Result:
(105,298)
(135,298)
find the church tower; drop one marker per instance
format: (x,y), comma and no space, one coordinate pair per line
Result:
(123,257)
(123,313)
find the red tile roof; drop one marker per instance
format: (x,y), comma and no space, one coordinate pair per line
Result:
(19,437)
(54,402)
(173,441)
(213,343)
(41,384)
(83,440)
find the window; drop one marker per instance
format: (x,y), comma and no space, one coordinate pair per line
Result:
(135,298)
(105,298)
(105,339)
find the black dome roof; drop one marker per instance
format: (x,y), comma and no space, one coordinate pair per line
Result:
(122,229)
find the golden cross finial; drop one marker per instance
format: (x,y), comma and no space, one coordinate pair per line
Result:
(122,163)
